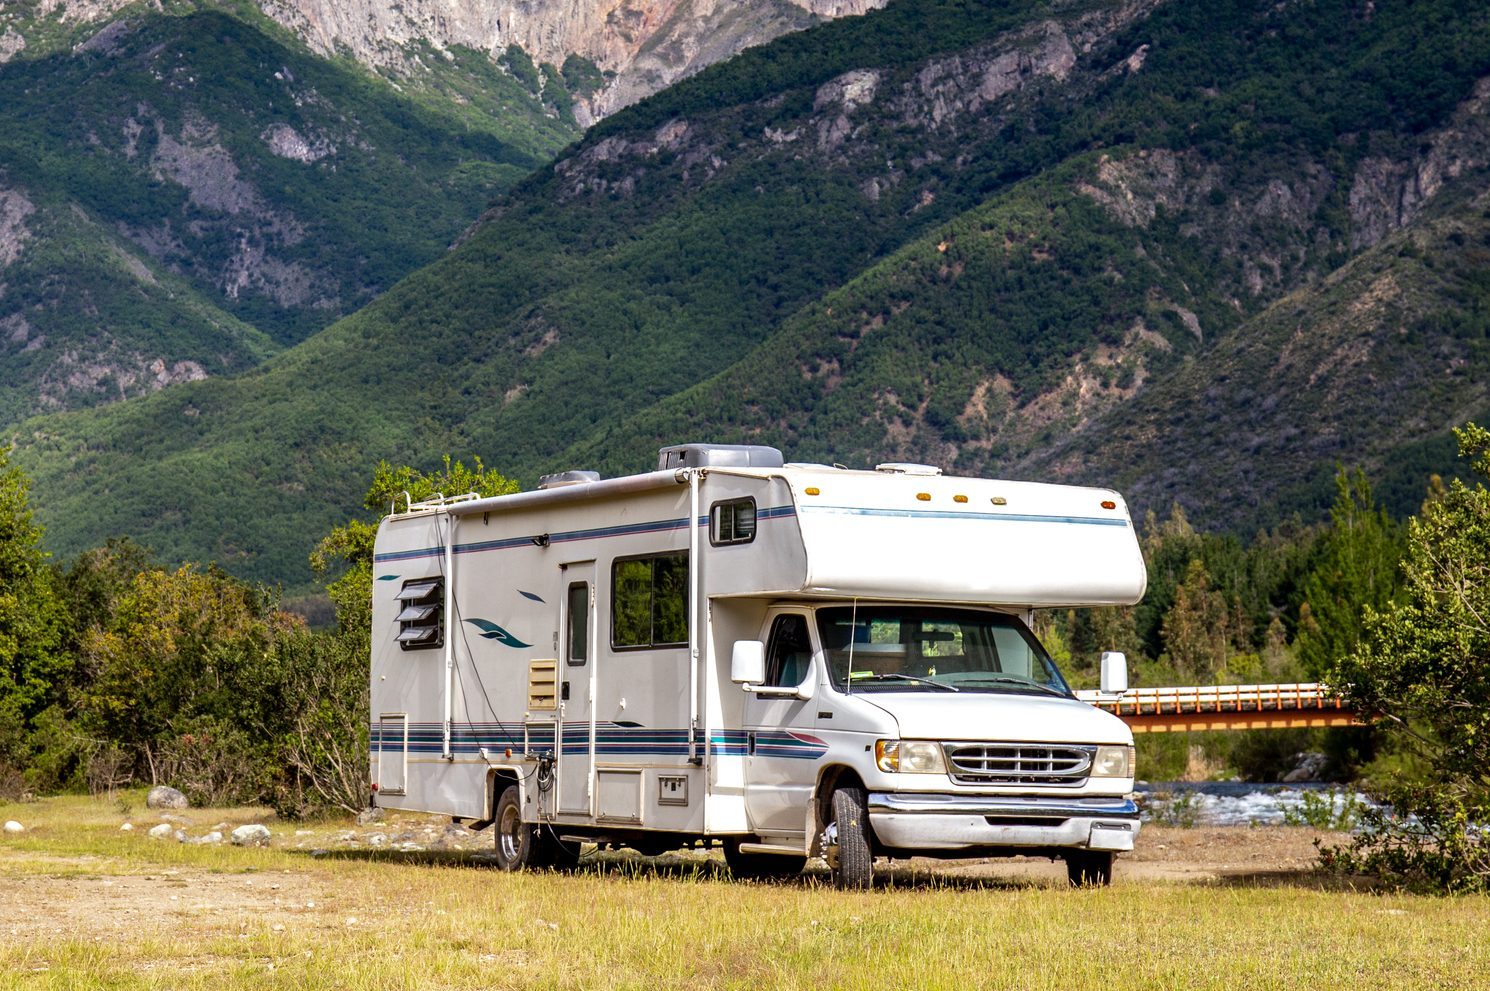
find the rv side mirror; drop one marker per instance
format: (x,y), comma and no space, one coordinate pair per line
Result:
(747,664)
(1114,672)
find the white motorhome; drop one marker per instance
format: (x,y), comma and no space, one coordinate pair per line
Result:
(788,660)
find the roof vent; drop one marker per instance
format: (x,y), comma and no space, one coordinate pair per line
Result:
(560,479)
(906,468)
(718,456)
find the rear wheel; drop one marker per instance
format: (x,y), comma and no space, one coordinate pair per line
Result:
(1089,868)
(515,838)
(760,866)
(846,839)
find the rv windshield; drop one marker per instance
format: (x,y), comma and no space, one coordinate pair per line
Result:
(928,648)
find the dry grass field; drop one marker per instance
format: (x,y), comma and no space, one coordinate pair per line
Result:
(84,904)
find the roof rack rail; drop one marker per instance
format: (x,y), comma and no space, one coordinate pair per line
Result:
(437,501)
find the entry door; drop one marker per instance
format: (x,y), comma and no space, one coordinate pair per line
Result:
(780,748)
(576,678)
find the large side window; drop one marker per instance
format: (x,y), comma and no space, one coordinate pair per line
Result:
(649,601)
(579,623)
(732,522)
(789,652)
(421,613)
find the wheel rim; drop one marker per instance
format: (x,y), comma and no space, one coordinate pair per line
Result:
(830,844)
(509,833)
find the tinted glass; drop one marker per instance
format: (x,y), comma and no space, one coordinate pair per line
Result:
(924,648)
(579,623)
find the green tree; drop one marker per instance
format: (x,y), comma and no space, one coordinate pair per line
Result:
(1197,628)
(1356,567)
(33,668)
(1424,666)
(352,543)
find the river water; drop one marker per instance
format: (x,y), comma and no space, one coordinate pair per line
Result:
(1242,803)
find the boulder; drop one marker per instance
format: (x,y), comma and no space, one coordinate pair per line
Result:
(369,815)
(251,835)
(14,827)
(163,797)
(1307,767)
(208,838)
(160,832)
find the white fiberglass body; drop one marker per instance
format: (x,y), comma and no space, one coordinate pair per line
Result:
(576,645)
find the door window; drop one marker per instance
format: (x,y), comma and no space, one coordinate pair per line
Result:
(789,652)
(579,623)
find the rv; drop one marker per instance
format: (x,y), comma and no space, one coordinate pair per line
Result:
(790,661)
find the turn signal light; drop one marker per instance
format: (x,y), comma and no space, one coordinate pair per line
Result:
(1108,504)
(924,496)
(812,490)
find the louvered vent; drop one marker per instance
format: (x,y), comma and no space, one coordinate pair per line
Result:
(421,614)
(542,682)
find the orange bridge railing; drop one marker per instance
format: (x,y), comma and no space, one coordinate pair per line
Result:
(1225,707)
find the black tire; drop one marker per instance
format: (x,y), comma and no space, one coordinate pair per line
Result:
(1089,868)
(850,858)
(516,842)
(761,866)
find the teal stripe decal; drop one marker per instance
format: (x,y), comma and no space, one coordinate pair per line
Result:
(947,514)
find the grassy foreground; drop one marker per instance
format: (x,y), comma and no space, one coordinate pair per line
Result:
(83,905)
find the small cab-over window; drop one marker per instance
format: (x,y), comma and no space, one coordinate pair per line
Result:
(649,601)
(421,613)
(732,522)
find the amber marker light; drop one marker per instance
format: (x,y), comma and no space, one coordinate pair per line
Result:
(812,490)
(924,496)
(1108,504)
(959,498)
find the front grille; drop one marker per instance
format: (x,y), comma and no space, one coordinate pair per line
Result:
(1019,763)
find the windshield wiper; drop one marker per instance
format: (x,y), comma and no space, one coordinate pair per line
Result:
(1004,679)
(859,678)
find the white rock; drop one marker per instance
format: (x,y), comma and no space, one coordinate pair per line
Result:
(126,827)
(162,797)
(209,838)
(12,826)
(251,835)
(179,836)
(160,832)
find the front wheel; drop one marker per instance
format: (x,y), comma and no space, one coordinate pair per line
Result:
(1089,868)
(846,840)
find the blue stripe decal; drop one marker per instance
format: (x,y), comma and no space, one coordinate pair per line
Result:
(610,740)
(945,514)
(598,533)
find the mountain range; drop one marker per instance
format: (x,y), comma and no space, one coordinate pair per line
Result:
(1203,251)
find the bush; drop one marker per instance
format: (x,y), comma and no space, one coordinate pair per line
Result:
(214,763)
(1427,839)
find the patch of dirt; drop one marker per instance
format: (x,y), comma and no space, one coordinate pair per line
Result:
(164,903)
(1166,853)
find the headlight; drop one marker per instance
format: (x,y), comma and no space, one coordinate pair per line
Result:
(910,756)
(1113,762)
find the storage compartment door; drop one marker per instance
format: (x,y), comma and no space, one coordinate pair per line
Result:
(393,753)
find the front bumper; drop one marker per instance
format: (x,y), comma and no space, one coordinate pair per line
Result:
(935,822)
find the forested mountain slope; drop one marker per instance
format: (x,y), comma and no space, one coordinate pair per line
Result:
(953,230)
(182,195)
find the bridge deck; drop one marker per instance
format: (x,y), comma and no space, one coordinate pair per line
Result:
(1225,707)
